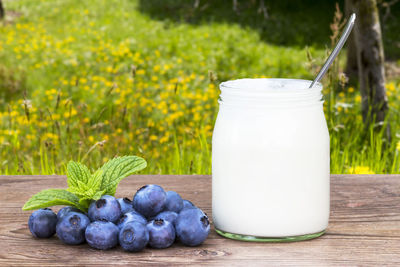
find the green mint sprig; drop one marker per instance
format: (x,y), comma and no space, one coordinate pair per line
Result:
(84,186)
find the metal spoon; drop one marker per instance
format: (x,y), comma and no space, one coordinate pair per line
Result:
(337,49)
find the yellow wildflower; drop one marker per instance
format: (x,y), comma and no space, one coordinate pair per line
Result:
(164,139)
(140,72)
(390,87)
(361,170)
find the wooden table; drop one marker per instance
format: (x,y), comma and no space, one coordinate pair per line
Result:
(364,228)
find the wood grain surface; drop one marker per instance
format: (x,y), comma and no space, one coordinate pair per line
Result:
(364,228)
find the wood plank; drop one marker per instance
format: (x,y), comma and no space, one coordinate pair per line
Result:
(364,228)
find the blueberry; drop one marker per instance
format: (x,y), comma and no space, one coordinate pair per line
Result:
(131,216)
(149,200)
(161,233)
(174,202)
(133,236)
(192,227)
(71,228)
(102,235)
(167,216)
(126,204)
(106,208)
(62,212)
(42,223)
(188,205)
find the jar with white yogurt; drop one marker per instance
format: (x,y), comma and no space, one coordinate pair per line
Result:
(270,161)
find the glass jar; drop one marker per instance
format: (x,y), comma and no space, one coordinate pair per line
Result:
(270,161)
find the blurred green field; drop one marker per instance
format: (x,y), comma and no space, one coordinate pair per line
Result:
(89,80)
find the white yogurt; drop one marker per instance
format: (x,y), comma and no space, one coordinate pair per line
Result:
(270,159)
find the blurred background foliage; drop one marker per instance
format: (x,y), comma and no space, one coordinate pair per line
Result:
(89,80)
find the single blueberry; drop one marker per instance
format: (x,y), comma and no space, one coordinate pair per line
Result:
(106,208)
(42,223)
(174,202)
(126,204)
(161,233)
(149,200)
(188,205)
(192,227)
(64,211)
(167,216)
(71,228)
(131,216)
(102,235)
(133,236)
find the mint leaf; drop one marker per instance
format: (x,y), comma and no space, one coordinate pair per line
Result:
(77,174)
(84,187)
(117,169)
(52,197)
(95,180)
(90,188)
(98,195)
(78,191)
(85,202)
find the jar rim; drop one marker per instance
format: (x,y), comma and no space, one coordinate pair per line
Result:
(281,85)
(270,91)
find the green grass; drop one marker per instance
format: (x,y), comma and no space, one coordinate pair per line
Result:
(88,80)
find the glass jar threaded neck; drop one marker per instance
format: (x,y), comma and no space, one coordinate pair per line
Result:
(265,92)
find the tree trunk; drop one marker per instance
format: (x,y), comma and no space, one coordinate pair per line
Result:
(370,60)
(2,13)
(351,64)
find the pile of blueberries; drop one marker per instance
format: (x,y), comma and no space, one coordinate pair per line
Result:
(154,217)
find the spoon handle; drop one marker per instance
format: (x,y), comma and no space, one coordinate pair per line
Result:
(337,49)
